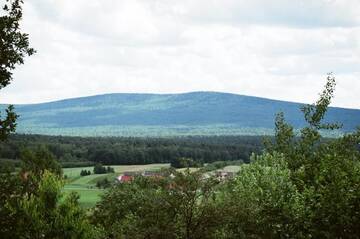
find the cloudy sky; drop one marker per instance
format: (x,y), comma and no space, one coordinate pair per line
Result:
(279,49)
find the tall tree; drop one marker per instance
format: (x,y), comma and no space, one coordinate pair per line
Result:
(14,47)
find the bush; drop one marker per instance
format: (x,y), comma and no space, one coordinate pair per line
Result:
(103,183)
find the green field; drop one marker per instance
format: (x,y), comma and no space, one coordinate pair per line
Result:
(85,186)
(232,168)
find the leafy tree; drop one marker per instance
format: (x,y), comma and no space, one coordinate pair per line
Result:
(14,46)
(324,175)
(99,169)
(10,194)
(43,215)
(38,161)
(181,206)
(31,204)
(262,201)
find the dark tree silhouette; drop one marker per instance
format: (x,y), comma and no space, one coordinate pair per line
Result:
(14,46)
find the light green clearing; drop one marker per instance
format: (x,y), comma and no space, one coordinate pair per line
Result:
(232,168)
(190,169)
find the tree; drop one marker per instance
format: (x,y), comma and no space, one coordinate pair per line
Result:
(185,163)
(14,46)
(326,172)
(42,214)
(99,169)
(85,172)
(32,204)
(181,206)
(38,160)
(262,201)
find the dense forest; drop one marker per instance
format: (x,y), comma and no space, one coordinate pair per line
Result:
(78,151)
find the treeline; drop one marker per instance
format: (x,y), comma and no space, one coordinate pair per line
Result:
(79,151)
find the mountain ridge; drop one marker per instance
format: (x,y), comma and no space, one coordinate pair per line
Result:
(167,94)
(147,114)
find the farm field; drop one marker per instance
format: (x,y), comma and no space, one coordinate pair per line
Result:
(85,186)
(232,168)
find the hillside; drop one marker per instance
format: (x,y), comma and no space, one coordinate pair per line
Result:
(197,113)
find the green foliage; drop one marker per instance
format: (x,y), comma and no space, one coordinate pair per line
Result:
(103,183)
(220,165)
(100,169)
(14,46)
(38,161)
(301,186)
(85,172)
(263,202)
(181,206)
(32,204)
(7,166)
(185,163)
(49,218)
(325,173)
(80,152)
(10,194)
(41,213)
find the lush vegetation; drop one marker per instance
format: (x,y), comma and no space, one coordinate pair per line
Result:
(80,152)
(100,169)
(299,187)
(32,203)
(89,188)
(186,163)
(85,172)
(13,49)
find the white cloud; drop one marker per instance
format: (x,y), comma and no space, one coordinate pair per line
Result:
(276,49)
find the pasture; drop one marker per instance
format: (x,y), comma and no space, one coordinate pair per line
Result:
(85,186)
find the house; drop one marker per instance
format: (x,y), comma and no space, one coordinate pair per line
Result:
(125,178)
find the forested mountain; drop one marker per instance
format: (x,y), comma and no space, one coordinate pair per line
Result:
(197,113)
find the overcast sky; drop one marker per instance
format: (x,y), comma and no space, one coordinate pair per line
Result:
(279,49)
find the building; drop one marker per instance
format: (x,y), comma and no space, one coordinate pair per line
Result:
(125,178)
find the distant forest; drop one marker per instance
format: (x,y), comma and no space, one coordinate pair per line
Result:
(80,151)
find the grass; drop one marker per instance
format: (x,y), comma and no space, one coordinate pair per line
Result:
(232,168)
(192,170)
(88,196)
(85,186)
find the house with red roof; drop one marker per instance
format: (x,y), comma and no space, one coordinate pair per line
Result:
(125,178)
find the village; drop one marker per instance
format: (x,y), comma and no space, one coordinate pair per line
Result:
(125,177)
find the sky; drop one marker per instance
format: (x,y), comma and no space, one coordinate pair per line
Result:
(279,49)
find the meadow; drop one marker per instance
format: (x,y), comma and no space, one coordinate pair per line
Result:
(85,186)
